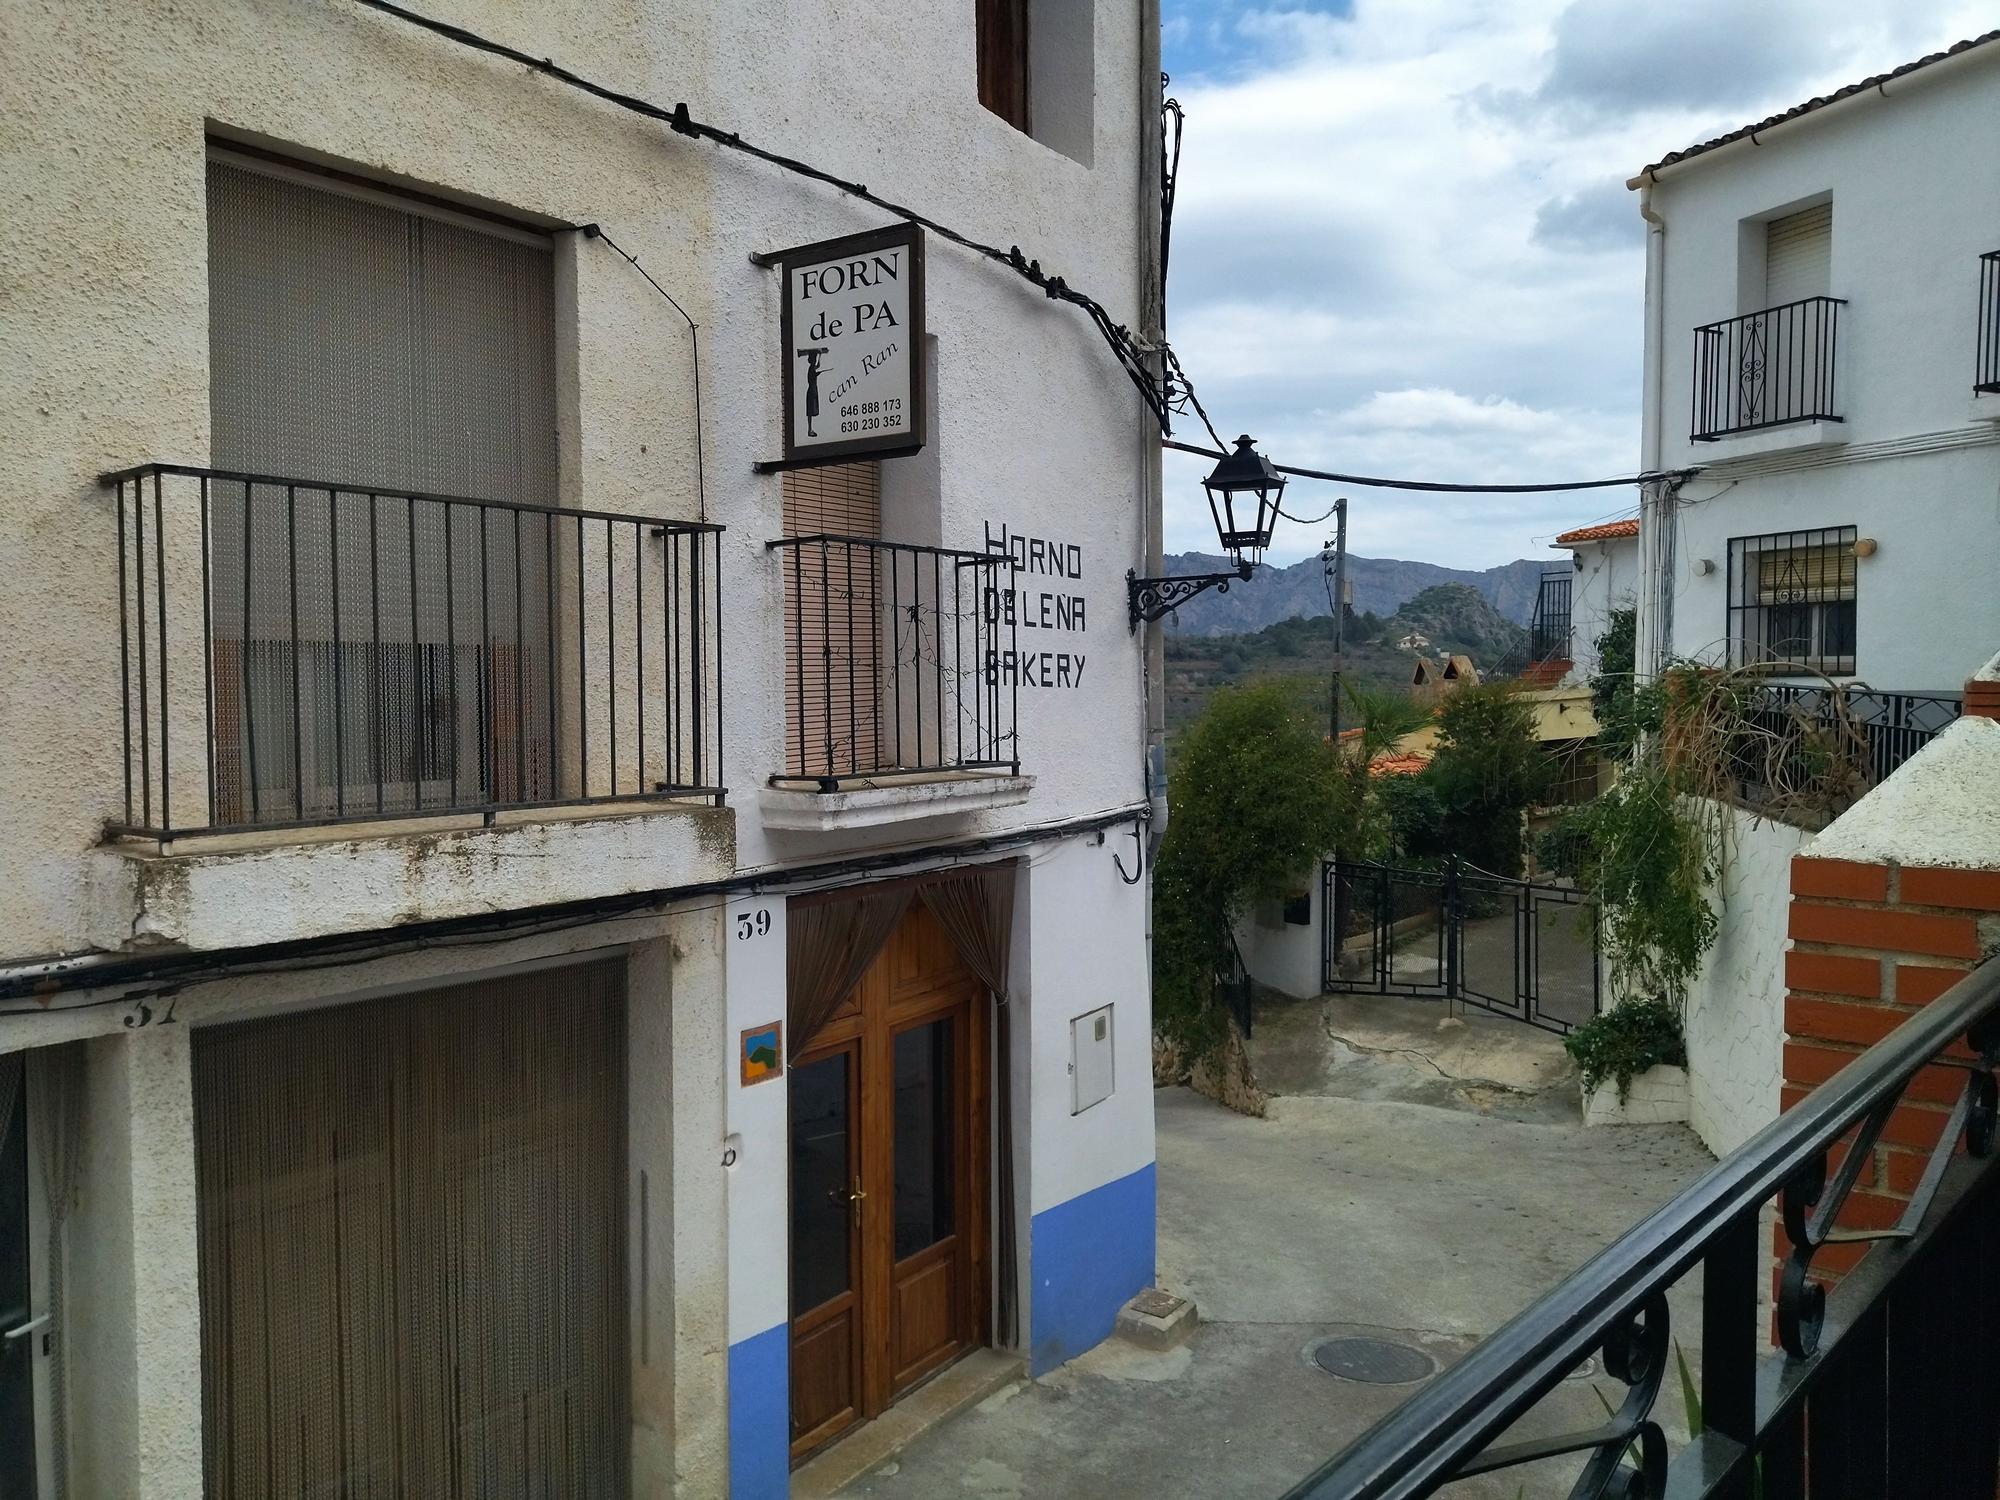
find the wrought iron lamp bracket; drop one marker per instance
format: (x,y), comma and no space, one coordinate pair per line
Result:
(1153,598)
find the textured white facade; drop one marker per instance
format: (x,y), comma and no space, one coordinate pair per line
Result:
(1914,461)
(1912,465)
(1034,432)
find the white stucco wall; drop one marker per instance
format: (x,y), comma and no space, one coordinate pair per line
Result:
(1736,1006)
(1911,184)
(103,193)
(1284,955)
(1607,581)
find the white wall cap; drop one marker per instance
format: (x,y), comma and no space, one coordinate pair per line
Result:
(1941,807)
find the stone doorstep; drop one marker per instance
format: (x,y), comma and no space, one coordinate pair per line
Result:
(943,1396)
(1157,1320)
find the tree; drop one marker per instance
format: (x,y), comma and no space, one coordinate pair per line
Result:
(1257,799)
(1489,769)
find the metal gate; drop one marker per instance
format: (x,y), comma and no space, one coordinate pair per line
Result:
(1519,948)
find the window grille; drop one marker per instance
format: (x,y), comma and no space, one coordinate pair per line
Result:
(1792,600)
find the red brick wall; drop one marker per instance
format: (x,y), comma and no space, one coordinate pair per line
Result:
(1871,945)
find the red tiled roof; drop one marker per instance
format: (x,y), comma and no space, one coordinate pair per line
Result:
(1819,103)
(1610,531)
(1397,765)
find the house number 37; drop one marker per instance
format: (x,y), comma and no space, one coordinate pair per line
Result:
(753,924)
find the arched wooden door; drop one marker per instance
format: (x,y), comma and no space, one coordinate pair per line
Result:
(889,1150)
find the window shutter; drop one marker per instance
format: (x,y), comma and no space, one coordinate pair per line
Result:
(1798,256)
(1801,575)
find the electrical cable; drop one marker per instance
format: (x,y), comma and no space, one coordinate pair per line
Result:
(1439,487)
(597,232)
(1131,356)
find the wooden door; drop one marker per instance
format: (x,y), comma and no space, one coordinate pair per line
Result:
(889,1143)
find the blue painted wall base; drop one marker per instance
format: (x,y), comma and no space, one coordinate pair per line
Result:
(760,1446)
(1086,1259)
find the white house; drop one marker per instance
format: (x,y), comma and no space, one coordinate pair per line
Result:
(574,921)
(1606,580)
(1823,342)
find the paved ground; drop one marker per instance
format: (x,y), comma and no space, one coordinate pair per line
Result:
(1416,1184)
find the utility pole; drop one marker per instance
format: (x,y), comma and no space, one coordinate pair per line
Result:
(1339,571)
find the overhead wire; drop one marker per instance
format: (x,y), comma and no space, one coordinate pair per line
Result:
(1442,487)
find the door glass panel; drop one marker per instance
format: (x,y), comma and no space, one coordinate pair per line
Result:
(17,1401)
(821,1181)
(924,1155)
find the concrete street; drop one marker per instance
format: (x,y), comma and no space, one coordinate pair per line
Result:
(1416,1184)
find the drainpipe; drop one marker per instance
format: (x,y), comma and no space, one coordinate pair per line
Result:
(1656,500)
(1152,329)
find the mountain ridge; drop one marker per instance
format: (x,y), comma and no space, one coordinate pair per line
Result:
(1380,585)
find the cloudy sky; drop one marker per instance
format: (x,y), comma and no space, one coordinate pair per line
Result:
(1402,242)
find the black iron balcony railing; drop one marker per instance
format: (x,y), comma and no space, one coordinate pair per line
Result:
(1767,368)
(1880,1388)
(294,652)
(1835,740)
(1549,626)
(1986,374)
(899,659)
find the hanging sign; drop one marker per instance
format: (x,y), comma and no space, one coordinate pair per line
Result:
(853,339)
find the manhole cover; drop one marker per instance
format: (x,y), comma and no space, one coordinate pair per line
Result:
(1375,1361)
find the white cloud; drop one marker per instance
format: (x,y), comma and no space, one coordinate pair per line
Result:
(1402,244)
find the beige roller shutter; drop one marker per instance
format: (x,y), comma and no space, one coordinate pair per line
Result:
(833,624)
(1798,256)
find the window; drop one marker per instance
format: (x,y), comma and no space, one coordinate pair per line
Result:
(1791,600)
(1038,70)
(1798,255)
(1003,59)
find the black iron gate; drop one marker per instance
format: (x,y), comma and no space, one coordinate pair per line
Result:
(1518,948)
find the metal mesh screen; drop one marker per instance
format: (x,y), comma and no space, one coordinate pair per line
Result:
(413,1245)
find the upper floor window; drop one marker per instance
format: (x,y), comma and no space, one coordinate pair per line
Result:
(1798,256)
(1003,59)
(1791,600)
(1038,69)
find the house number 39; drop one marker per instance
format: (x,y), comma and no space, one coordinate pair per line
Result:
(751,924)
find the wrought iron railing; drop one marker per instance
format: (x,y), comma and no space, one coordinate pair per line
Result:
(1549,626)
(1986,373)
(1837,740)
(1879,1387)
(899,660)
(1767,368)
(296,652)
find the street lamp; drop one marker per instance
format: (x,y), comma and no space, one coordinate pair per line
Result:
(1243,491)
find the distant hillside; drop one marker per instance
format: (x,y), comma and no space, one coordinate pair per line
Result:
(1380,586)
(1450,618)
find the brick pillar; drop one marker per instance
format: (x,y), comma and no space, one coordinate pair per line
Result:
(1872,944)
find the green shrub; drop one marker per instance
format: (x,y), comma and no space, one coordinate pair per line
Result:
(1625,1041)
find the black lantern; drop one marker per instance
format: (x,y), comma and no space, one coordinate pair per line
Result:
(1243,493)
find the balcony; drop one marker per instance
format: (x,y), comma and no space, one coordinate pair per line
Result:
(1549,626)
(297,653)
(1986,371)
(901,684)
(1812,751)
(1767,369)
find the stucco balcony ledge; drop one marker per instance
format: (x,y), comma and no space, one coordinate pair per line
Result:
(248,888)
(885,799)
(1795,437)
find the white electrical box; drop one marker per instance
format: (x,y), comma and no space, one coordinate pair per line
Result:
(1090,1073)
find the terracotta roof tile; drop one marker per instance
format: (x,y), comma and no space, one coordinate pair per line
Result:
(1610,531)
(1397,765)
(1819,103)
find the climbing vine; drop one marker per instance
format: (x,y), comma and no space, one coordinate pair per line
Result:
(1256,800)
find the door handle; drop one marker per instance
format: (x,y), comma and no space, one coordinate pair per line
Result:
(854,1198)
(22,1330)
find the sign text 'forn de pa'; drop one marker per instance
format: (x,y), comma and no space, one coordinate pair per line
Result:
(853,335)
